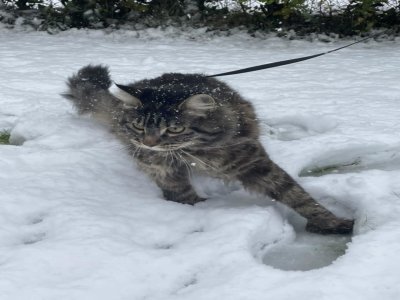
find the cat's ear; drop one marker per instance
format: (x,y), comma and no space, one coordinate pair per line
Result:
(126,95)
(198,104)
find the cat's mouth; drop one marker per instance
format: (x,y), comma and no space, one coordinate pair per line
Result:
(161,148)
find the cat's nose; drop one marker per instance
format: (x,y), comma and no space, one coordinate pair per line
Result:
(151,140)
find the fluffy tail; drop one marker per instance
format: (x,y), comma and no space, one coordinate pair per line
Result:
(88,89)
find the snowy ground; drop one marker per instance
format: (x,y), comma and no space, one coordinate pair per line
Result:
(79,222)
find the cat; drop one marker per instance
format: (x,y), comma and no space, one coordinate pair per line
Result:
(178,123)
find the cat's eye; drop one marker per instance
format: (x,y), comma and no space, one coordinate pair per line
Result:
(176,129)
(138,125)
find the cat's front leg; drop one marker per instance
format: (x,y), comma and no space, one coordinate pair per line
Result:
(260,174)
(176,186)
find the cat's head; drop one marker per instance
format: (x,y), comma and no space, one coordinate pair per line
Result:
(164,119)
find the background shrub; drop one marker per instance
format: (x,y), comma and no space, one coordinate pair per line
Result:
(320,16)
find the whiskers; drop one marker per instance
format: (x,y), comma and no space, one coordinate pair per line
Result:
(138,147)
(171,154)
(175,158)
(197,160)
(175,154)
(137,151)
(162,148)
(185,162)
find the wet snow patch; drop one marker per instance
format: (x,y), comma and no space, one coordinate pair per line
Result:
(306,252)
(354,160)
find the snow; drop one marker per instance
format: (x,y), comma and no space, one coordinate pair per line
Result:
(79,221)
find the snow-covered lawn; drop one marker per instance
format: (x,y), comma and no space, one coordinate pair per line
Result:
(78,221)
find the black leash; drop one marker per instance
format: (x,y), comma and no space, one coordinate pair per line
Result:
(288,61)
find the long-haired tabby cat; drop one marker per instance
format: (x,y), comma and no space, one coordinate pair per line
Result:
(178,123)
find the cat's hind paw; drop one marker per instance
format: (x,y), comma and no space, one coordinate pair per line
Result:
(334,226)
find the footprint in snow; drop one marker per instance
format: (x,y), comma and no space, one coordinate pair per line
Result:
(306,252)
(34,230)
(311,251)
(298,126)
(34,238)
(299,250)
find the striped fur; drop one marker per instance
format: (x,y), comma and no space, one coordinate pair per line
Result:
(179,123)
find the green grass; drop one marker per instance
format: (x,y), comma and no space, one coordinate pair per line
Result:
(4,138)
(329,169)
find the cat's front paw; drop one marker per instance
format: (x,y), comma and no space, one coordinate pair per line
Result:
(190,199)
(330,226)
